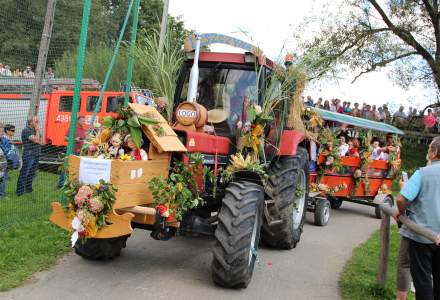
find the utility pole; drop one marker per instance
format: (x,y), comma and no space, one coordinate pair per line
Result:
(163,25)
(42,58)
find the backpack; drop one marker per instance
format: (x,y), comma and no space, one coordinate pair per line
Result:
(11,155)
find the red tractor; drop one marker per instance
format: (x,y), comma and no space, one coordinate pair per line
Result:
(212,93)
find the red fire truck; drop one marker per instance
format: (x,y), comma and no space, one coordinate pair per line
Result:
(56,108)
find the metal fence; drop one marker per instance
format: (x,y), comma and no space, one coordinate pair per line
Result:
(26,192)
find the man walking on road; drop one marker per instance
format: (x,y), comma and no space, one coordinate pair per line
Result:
(420,200)
(30,136)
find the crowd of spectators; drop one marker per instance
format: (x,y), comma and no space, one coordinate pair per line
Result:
(400,118)
(5,71)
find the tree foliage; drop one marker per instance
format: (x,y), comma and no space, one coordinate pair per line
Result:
(22,24)
(363,36)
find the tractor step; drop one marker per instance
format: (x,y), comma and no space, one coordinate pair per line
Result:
(195,225)
(269,206)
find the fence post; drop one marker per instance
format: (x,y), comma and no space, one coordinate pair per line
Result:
(42,58)
(79,74)
(384,249)
(131,53)
(163,24)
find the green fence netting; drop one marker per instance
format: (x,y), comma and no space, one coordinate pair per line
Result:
(27,190)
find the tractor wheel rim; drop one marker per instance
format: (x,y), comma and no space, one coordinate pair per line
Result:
(326,214)
(252,250)
(299,200)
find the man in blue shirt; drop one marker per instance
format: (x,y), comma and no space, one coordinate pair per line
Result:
(420,200)
(31,139)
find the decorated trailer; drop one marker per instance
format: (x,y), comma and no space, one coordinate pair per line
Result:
(230,167)
(361,175)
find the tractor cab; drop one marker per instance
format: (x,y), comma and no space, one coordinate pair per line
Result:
(226,85)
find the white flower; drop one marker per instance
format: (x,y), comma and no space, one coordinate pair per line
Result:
(258,109)
(77,228)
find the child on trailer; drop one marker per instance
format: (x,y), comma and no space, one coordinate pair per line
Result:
(343,146)
(353,148)
(377,150)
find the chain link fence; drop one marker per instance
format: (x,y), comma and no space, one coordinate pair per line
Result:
(28,188)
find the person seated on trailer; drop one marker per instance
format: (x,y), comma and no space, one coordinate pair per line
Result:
(390,147)
(377,149)
(343,131)
(353,148)
(343,146)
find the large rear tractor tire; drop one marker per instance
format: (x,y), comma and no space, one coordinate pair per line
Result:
(288,186)
(237,234)
(101,249)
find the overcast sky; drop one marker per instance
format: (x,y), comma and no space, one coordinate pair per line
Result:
(270,25)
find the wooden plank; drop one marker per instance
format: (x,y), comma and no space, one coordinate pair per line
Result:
(154,154)
(143,210)
(167,143)
(129,172)
(120,224)
(129,195)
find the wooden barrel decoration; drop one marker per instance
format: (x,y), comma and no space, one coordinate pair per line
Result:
(191,113)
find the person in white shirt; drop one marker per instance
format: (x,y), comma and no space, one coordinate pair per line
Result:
(2,70)
(7,71)
(28,73)
(343,146)
(377,150)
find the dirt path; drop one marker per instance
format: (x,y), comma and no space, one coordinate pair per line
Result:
(180,268)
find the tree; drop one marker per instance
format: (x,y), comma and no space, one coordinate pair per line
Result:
(366,35)
(100,49)
(22,22)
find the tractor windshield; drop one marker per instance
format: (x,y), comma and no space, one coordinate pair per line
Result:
(224,91)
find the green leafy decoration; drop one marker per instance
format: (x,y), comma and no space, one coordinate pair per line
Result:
(136,135)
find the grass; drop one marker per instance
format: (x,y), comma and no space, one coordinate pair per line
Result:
(29,248)
(358,279)
(28,241)
(28,207)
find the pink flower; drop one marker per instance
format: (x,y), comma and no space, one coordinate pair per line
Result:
(83,216)
(84,193)
(95,205)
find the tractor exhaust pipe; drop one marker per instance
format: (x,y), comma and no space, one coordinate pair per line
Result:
(194,75)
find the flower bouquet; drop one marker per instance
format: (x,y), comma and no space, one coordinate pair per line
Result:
(87,207)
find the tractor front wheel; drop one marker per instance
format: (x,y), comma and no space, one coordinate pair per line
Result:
(101,249)
(237,234)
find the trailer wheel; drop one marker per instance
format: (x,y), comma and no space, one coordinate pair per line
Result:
(101,249)
(322,212)
(378,211)
(288,186)
(237,234)
(336,202)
